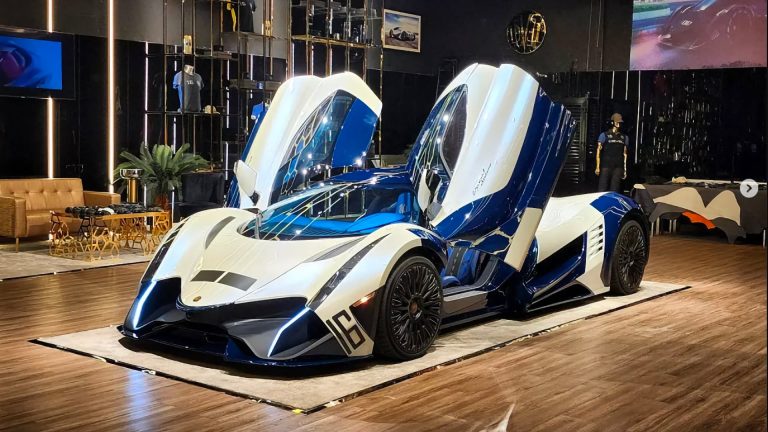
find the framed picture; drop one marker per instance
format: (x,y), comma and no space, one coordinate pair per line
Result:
(401,31)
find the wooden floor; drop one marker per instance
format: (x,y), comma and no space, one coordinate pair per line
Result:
(694,360)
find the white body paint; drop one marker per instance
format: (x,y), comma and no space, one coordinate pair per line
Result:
(282,268)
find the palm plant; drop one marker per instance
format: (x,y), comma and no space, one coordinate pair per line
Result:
(161,169)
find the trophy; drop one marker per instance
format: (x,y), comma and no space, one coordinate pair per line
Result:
(131,177)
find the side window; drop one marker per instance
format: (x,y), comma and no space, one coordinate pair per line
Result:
(439,141)
(327,127)
(312,146)
(453,136)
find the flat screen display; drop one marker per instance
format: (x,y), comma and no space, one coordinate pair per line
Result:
(36,64)
(698,34)
(30,63)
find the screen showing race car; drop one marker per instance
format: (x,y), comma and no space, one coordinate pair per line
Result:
(30,63)
(698,34)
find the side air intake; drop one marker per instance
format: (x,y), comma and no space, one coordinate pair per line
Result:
(595,241)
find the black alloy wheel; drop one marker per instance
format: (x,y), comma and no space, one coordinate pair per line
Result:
(411,309)
(630,255)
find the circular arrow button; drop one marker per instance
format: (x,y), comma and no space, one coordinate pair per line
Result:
(748,188)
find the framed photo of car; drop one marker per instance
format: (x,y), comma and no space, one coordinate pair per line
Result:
(401,31)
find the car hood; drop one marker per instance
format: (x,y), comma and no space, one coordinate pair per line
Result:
(218,265)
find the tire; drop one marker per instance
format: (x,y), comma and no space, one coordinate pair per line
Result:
(630,255)
(410,313)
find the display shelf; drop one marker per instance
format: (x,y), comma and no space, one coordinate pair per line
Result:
(324,24)
(176,56)
(233,79)
(328,37)
(253,35)
(191,113)
(330,41)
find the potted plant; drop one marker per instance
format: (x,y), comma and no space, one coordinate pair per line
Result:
(161,169)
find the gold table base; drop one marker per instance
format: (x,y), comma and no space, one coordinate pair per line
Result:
(104,236)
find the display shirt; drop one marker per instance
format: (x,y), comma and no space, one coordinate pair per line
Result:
(612,154)
(193,83)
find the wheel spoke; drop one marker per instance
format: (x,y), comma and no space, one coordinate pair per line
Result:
(631,256)
(414,308)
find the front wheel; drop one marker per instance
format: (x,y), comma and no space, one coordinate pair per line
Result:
(630,255)
(411,309)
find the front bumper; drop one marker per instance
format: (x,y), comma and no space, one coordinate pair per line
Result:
(277,332)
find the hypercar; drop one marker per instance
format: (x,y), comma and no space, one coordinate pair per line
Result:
(700,23)
(400,34)
(311,269)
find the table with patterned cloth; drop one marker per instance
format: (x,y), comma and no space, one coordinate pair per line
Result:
(715,204)
(99,235)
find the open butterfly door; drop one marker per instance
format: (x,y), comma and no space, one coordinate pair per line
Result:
(486,160)
(312,126)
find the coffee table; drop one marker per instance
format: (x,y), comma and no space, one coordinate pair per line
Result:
(97,236)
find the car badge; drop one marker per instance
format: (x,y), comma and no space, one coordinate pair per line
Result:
(686,22)
(196,299)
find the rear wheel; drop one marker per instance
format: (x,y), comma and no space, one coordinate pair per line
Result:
(630,255)
(410,310)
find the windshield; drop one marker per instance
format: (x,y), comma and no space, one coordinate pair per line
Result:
(703,5)
(334,210)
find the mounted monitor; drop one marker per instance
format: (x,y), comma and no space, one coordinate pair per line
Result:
(698,34)
(36,64)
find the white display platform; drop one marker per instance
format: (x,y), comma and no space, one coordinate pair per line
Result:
(309,390)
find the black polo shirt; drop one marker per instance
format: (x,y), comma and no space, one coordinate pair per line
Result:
(612,155)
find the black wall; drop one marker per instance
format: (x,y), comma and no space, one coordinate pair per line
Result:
(22,138)
(581,35)
(135,20)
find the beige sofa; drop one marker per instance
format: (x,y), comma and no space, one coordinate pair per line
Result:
(26,205)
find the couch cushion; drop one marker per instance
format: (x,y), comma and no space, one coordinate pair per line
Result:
(38,222)
(45,194)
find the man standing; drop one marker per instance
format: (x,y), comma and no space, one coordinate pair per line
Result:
(612,157)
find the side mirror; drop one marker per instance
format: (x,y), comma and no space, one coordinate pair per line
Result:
(246,180)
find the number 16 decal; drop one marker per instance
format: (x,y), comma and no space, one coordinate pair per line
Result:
(348,337)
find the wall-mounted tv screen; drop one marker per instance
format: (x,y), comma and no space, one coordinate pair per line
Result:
(698,34)
(36,64)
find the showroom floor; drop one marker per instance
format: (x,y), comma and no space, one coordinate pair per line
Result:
(692,360)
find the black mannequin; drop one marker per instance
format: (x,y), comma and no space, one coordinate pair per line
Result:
(612,156)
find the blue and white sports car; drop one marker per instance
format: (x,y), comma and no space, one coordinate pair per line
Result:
(308,268)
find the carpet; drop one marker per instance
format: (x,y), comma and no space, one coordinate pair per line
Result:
(310,390)
(33,260)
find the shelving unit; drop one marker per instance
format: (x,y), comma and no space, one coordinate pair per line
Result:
(329,37)
(227,65)
(239,68)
